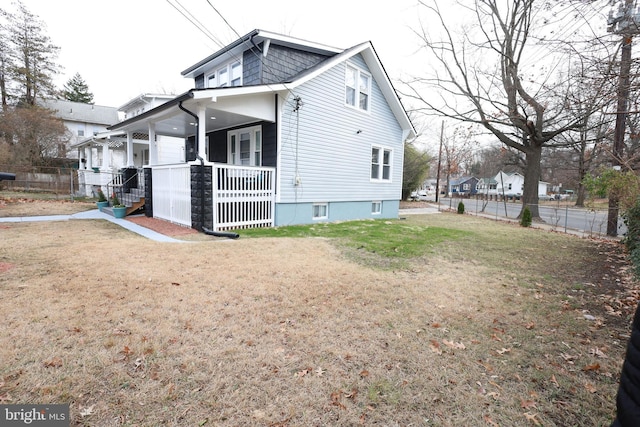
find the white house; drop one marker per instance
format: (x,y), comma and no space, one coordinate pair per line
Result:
(81,120)
(276,131)
(507,185)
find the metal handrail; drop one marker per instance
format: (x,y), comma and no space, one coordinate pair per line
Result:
(115,187)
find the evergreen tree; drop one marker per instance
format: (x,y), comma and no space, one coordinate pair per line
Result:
(75,89)
(6,63)
(415,169)
(33,56)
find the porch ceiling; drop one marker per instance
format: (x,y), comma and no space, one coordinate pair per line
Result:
(221,112)
(180,124)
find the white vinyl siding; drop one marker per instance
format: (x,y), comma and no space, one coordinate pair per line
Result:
(323,136)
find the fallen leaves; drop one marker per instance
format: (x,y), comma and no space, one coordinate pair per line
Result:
(590,388)
(527,404)
(85,411)
(533,418)
(434,345)
(455,345)
(336,397)
(593,367)
(56,362)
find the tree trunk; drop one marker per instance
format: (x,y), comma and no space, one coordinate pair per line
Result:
(582,172)
(532,174)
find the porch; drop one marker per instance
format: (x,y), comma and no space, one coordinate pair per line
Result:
(212,195)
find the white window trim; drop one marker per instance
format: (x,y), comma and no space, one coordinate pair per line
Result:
(381,164)
(356,105)
(214,75)
(252,155)
(326,210)
(378,204)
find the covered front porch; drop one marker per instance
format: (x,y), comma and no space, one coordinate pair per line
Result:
(210,158)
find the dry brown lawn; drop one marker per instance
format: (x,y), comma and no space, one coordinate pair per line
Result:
(488,331)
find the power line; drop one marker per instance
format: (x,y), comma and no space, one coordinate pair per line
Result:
(223,18)
(196,23)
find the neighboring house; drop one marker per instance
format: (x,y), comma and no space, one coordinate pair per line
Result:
(506,184)
(463,186)
(276,131)
(486,186)
(81,120)
(105,151)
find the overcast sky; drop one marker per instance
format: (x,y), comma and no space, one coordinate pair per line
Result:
(123,48)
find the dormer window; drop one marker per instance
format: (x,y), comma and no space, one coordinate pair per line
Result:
(228,75)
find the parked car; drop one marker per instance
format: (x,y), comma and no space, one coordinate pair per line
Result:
(419,195)
(545,197)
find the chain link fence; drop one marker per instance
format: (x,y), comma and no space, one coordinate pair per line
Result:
(560,215)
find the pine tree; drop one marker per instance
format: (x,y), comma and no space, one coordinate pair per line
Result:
(33,56)
(75,89)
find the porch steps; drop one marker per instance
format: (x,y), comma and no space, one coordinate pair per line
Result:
(133,201)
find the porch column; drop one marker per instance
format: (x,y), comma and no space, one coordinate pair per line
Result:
(202,131)
(88,154)
(106,157)
(130,149)
(153,145)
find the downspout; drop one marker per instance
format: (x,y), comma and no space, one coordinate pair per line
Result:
(230,235)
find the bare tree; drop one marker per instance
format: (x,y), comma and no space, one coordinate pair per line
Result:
(35,135)
(480,79)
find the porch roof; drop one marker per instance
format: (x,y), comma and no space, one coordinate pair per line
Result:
(225,107)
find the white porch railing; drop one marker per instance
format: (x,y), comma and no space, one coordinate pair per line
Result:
(172,193)
(243,197)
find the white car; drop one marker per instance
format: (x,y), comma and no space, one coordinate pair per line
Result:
(419,195)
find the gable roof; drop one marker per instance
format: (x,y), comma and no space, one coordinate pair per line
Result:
(378,72)
(252,40)
(81,112)
(365,49)
(462,180)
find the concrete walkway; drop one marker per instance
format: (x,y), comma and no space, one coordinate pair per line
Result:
(145,232)
(419,211)
(96,214)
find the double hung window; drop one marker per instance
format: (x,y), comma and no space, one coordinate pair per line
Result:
(380,164)
(357,88)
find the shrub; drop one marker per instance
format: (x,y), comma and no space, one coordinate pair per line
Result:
(525,221)
(101,196)
(115,202)
(460,208)
(631,218)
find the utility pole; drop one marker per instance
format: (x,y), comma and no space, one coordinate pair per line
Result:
(439,163)
(624,21)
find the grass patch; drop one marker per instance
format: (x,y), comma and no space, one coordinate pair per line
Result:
(398,240)
(486,327)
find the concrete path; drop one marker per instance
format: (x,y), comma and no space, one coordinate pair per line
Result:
(96,214)
(145,232)
(419,211)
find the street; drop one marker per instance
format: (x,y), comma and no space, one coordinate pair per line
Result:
(558,216)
